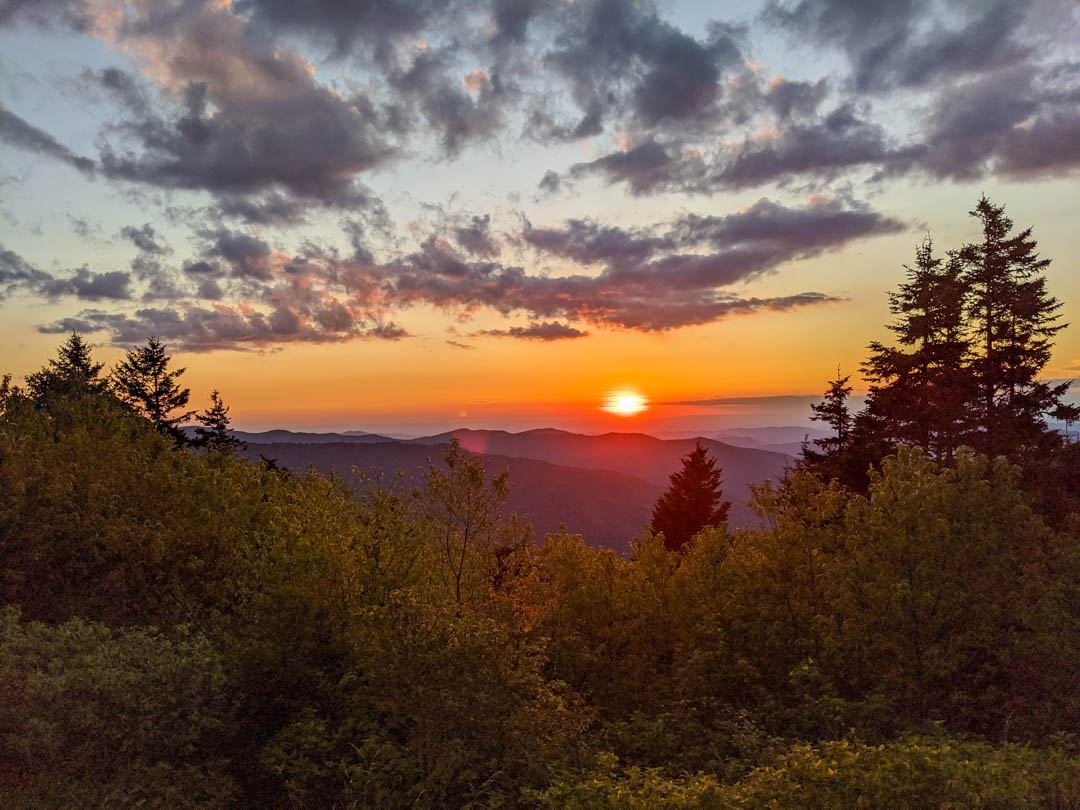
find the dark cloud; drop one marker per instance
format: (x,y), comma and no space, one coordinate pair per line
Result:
(546,331)
(146,239)
(475,238)
(17,132)
(819,150)
(251,119)
(550,183)
(910,43)
(247,255)
(71,15)
(587,242)
(374,23)
(648,167)
(1013,122)
(650,281)
(616,53)
(272,208)
(220,327)
(459,112)
(88,286)
(458,345)
(787,98)
(16,273)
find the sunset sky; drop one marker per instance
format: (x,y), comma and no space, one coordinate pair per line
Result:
(410,215)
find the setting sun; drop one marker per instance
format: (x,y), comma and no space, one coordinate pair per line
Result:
(624,403)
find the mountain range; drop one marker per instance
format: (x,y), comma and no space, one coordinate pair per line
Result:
(602,487)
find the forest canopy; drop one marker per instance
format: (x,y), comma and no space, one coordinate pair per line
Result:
(181,627)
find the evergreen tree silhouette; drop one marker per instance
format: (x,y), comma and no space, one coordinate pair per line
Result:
(692,500)
(143,380)
(833,410)
(72,372)
(921,391)
(1014,320)
(213,432)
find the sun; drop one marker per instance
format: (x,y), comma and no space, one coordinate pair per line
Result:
(624,403)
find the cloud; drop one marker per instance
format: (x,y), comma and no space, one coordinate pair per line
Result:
(651,279)
(71,15)
(16,273)
(221,326)
(648,167)
(1014,122)
(475,237)
(249,119)
(654,278)
(587,242)
(145,239)
(88,286)
(546,331)
(17,132)
(910,43)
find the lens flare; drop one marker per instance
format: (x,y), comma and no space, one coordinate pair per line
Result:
(624,403)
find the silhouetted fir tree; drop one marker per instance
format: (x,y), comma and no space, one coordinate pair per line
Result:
(833,410)
(1013,320)
(72,372)
(857,443)
(143,380)
(213,432)
(692,500)
(920,391)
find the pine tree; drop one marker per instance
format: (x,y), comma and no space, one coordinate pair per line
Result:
(1014,320)
(833,410)
(692,500)
(72,372)
(213,432)
(143,380)
(920,391)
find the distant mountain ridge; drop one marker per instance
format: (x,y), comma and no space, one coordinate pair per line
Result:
(603,487)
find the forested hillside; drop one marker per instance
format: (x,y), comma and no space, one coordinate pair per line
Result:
(182,627)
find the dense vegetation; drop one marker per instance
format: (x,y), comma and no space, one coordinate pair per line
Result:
(180,627)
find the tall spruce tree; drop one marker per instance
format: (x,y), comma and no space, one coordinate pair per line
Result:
(1013,319)
(692,500)
(921,389)
(834,411)
(72,372)
(143,380)
(213,432)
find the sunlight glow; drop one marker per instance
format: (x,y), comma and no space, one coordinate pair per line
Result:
(624,403)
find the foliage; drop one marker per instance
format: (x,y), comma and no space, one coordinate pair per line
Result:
(692,500)
(213,432)
(96,717)
(72,372)
(185,628)
(143,380)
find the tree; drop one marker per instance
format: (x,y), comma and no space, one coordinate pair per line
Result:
(692,500)
(464,510)
(920,391)
(214,433)
(1014,319)
(833,410)
(143,380)
(72,372)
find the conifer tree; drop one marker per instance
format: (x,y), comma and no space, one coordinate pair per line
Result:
(143,380)
(833,410)
(213,432)
(72,372)
(692,500)
(1014,320)
(921,390)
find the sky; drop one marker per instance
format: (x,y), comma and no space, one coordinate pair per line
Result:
(410,215)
